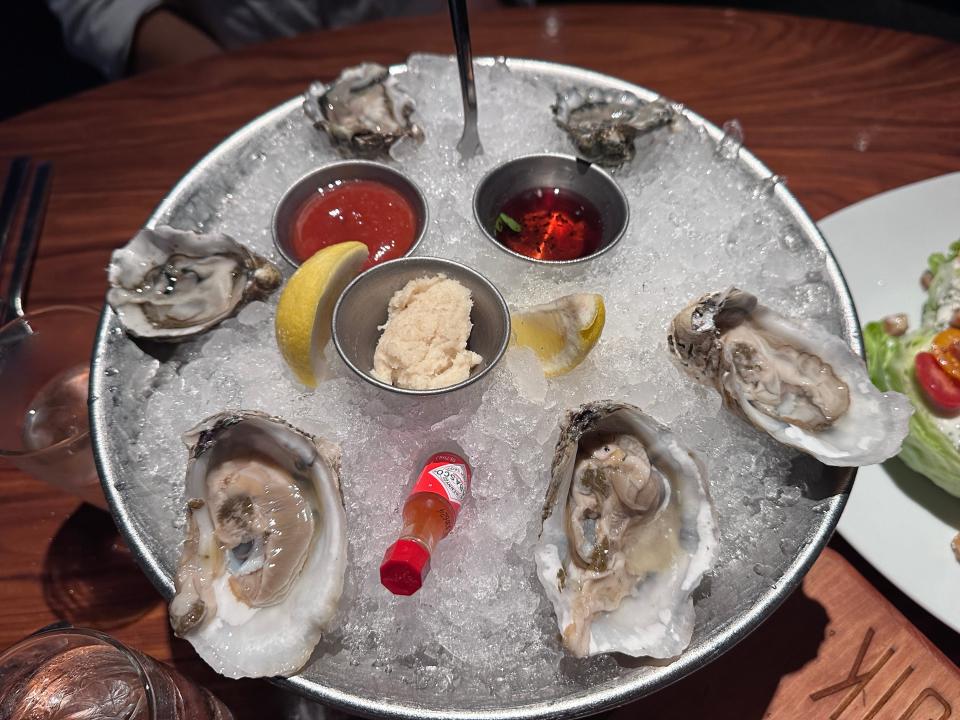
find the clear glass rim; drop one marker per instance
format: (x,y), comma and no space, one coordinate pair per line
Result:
(65,628)
(48,310)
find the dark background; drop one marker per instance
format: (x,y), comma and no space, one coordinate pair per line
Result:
(36,68)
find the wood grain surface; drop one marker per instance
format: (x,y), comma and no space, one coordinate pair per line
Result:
(843,111)
(836,649)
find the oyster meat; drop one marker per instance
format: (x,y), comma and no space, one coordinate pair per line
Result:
(262,563)
(791,379)
(169,285)
(364,112)
(604,124)
(628,533)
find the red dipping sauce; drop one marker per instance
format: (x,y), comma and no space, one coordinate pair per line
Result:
(554,224)
(366,211)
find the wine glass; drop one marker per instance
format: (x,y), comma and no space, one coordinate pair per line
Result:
(66,673)
(44,372)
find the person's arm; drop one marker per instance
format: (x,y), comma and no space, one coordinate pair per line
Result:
(163,38)
(102,33)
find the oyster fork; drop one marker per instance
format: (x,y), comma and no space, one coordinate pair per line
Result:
(12,306)
(469,145)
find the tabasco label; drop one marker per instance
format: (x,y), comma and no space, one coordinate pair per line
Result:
(447,475)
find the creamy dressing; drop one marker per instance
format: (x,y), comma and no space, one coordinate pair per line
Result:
(948,301)
(949,427)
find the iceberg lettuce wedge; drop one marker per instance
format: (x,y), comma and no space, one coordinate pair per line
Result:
(933,446)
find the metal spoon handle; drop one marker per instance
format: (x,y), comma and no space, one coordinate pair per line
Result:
(32,225)
(469,144)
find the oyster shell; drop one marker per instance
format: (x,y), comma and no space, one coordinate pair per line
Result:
(603,124)
(169,285)
(792,379)
(628,533)
(262,564)
(364,112)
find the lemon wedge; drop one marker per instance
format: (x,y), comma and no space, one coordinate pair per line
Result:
(306,306)
(561,333)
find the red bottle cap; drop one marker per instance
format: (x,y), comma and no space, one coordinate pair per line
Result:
(405,565)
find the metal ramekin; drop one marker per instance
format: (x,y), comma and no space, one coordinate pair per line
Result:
(362,309)
(293,200)
(552,170)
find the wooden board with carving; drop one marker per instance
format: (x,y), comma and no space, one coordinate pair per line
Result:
(836,650)
(872,660)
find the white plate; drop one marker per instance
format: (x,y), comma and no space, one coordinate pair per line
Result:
(898,520)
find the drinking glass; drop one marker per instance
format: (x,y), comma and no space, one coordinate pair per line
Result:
(66,673)
(44,425)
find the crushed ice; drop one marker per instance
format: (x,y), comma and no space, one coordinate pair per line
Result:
(480,630)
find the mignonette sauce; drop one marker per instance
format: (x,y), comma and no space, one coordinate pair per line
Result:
(550,224)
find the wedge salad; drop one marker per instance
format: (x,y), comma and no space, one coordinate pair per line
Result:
(924,364)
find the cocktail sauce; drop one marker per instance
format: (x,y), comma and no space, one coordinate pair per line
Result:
(366,211)
(554,224)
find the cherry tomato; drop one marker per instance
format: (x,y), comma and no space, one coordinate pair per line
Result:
(946,348)
(938,386)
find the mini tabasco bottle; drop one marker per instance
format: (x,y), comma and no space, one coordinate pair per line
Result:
(429,514)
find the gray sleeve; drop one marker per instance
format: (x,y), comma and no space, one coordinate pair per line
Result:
(100,32)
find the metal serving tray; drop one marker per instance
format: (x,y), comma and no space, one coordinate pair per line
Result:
(116,403)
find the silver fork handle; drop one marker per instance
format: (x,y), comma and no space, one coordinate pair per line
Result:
(30,234)
(12,192)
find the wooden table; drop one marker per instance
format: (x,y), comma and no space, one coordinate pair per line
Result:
(842,111)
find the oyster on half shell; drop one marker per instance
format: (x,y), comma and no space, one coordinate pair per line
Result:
(628,533)
(262,563)
(364,111)
(604,124)
(169,285)
(790,378)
